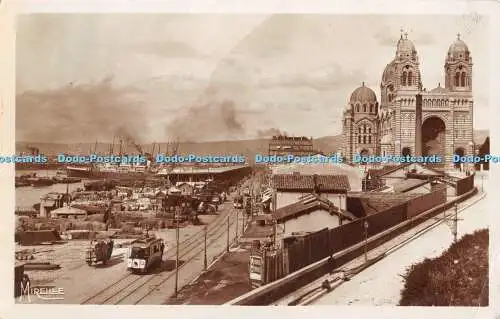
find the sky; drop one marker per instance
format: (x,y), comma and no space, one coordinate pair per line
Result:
(201,77)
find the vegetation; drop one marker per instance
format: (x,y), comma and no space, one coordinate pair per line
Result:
(459,277)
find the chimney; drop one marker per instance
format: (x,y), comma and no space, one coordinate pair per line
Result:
(418,125)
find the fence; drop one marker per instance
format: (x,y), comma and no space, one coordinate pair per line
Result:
(465,184)
(308,249)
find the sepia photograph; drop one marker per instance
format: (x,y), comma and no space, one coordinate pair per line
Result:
(252,159)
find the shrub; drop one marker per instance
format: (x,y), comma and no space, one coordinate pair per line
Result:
(459,277)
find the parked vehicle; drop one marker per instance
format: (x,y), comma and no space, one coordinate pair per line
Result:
(238,202)
(99,251)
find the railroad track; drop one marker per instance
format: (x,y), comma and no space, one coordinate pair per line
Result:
(322,286)
(132,288)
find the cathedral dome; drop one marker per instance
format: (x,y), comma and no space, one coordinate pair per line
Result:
(458,47)
(389,72)
(363,94)
(405,46)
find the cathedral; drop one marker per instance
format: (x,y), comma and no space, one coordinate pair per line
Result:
(411,120)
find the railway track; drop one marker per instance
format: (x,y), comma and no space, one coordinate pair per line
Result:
(317,289)
(132,288)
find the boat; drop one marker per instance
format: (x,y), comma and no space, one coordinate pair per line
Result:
(100,172)
(21,183)
(66,180)
(41,181)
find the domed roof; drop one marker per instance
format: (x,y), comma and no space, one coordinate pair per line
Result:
(389,72)
(405,46)
(458,46)
(363,94)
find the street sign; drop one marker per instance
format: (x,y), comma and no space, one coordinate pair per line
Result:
(256,269)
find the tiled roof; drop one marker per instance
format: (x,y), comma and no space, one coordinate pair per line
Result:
(324,183)
(408,184)
(386,169)
(307,205)
(377,202)
(389,169)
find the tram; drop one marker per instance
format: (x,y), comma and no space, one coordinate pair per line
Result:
(144,253)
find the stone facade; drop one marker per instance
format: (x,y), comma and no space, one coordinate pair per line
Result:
(389,128)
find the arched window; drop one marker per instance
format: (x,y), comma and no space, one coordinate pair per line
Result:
(359,139)
(457,79)
(410,78)
(371,108)
(359,130)
(364,107)
(364,129)
(364,139)
(369,139)
(462,79)
(357,108)
(403,80)
(370,130)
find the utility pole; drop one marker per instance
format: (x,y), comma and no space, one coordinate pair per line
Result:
(365,225)
(227,248)
(455,224)
(177,256)
(275,198)
(243,224)
(237,217)
(205,264)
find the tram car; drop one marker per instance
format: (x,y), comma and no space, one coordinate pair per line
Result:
(144,253)
(99,251)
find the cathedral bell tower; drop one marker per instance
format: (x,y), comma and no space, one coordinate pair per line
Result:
(458,67)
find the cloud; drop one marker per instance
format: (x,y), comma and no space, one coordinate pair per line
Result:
(79,112)
(170,49)
(327,78)
(205,122)
(270,132)
(386,37)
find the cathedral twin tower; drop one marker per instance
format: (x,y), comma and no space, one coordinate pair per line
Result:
(411,120)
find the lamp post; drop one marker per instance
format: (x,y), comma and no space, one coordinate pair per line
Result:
(365,226)
(176,255)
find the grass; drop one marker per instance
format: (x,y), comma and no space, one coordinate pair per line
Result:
(459,277)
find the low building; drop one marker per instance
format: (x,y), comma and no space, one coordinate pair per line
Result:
(409,185)
(310,214)
(323,165)
(186,188)
(292,188)
(291,145)
(52,201)
(68,212)
(390,175)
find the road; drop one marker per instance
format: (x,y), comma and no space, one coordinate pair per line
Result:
(381,284)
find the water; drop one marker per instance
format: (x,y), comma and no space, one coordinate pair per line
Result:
(26,197)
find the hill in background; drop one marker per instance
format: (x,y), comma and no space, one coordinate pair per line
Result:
(327,145)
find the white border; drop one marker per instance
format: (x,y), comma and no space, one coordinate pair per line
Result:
(8,10)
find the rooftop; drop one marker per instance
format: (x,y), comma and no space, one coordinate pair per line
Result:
(307,205)
(321,183)
(408,184)
(195,170)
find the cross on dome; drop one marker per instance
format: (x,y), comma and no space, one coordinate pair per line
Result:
(458,36)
